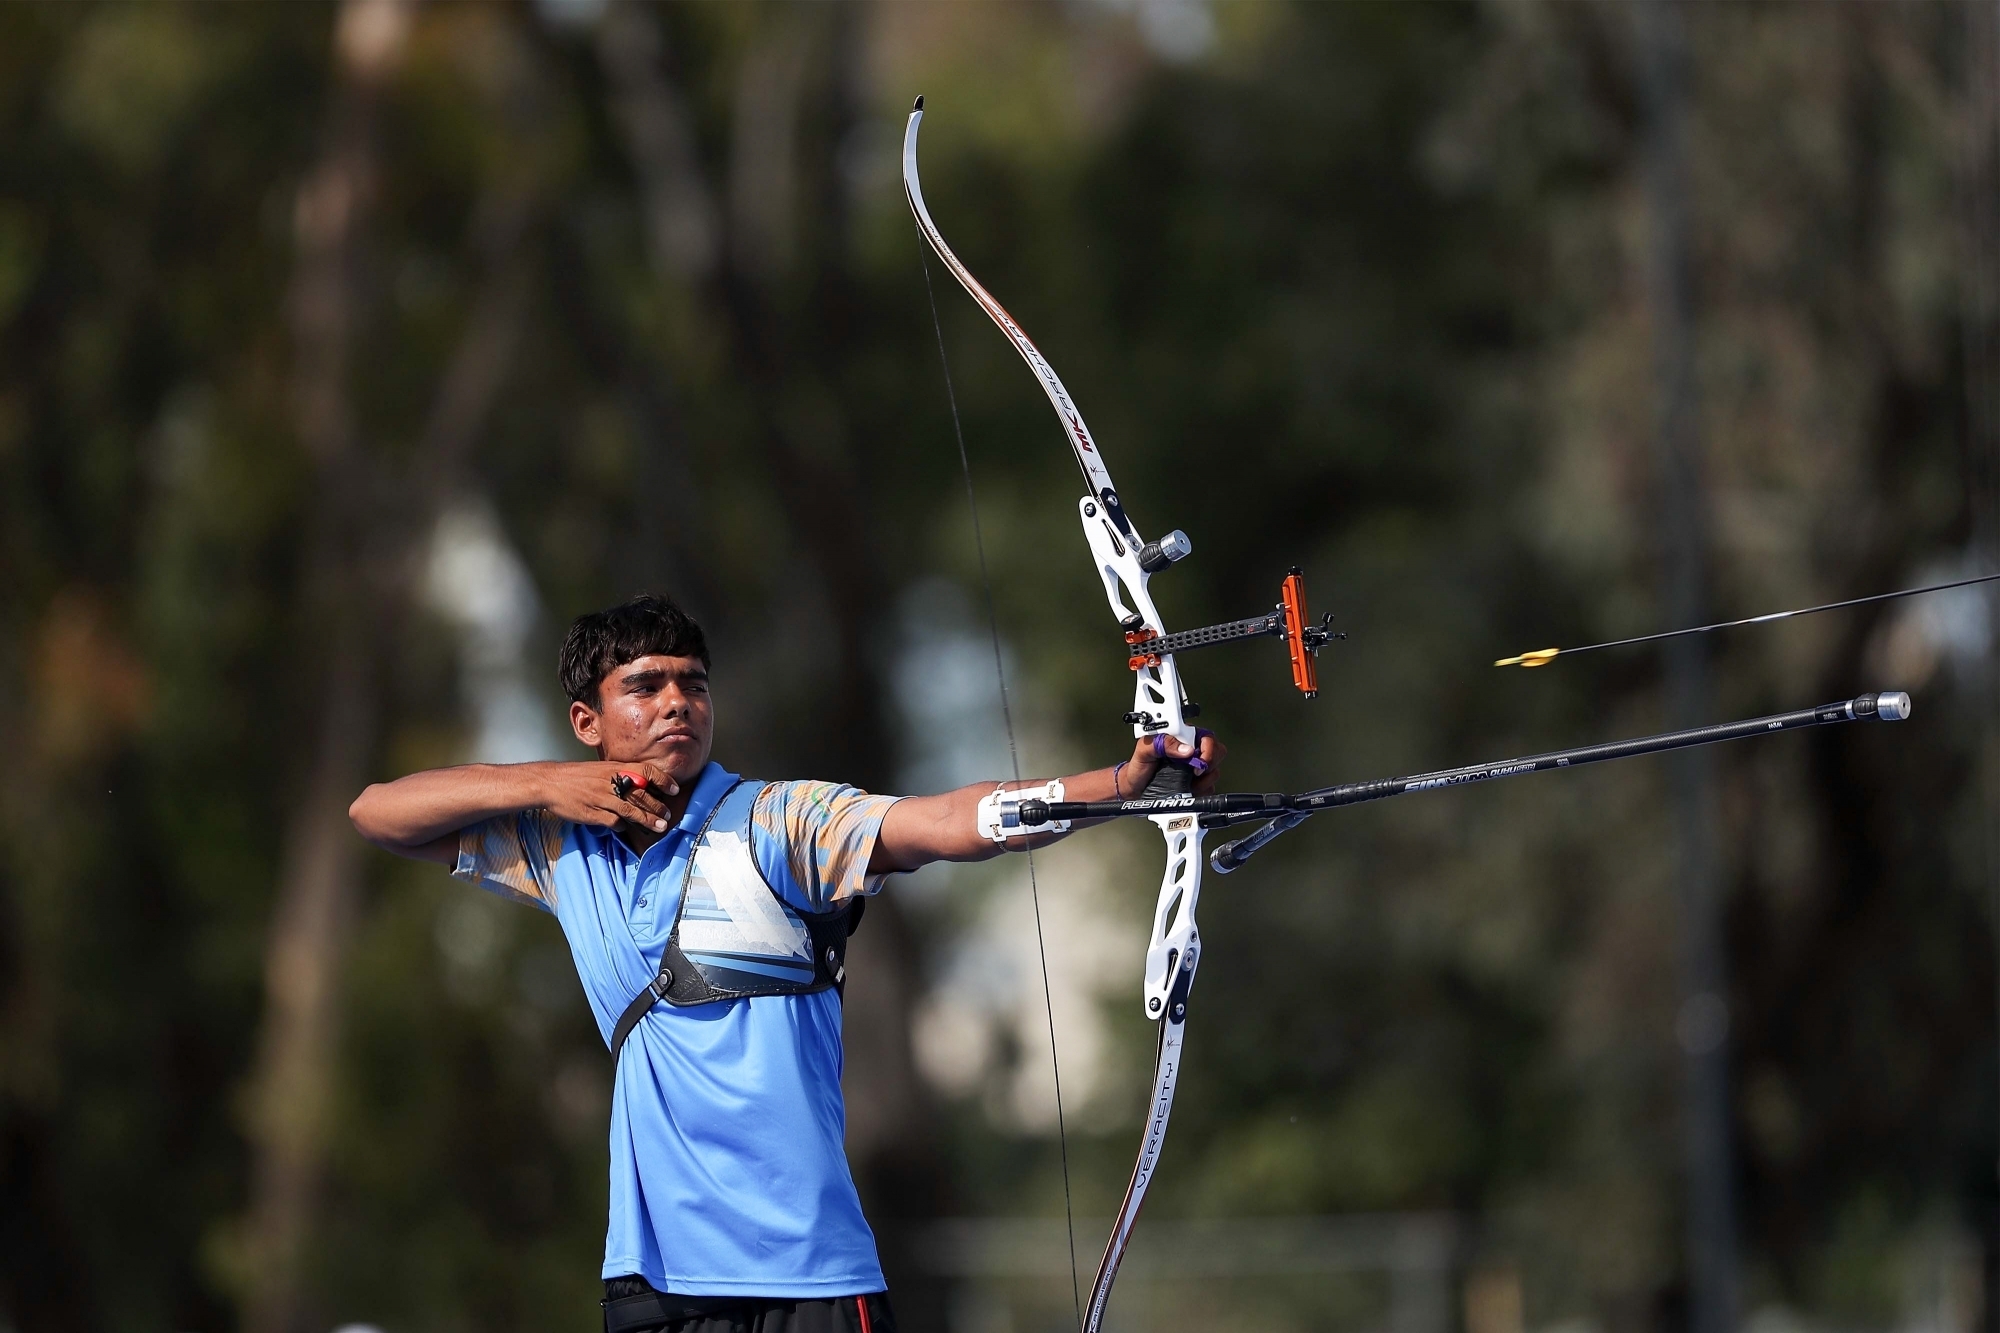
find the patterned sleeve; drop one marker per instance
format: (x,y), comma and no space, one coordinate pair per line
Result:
(513,856)
(828,831)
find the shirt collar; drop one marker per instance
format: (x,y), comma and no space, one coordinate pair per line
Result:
(713,784)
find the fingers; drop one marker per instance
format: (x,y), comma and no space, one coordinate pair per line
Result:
(653,796)
(1160,747)
(642,811)
(638,793)
(1201,757)
(647,801)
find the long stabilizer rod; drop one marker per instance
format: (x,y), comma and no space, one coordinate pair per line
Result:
(1544,656)
(1289,811)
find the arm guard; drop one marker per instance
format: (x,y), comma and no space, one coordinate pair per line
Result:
(999,816)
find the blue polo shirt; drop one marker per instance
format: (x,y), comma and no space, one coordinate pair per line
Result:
(729,1172)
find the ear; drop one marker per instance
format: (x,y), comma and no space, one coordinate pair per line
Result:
(584,722)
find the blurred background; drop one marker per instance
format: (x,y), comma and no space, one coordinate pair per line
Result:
(348,350)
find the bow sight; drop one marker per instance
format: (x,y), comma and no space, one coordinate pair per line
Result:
(1287,620)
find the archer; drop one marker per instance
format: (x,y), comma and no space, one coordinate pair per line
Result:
(708,917)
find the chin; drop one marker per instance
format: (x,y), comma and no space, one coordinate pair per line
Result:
(683,764)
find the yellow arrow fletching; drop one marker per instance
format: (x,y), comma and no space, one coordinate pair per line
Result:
(1540,657)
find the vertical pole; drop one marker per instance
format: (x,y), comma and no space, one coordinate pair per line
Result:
(1703,1023)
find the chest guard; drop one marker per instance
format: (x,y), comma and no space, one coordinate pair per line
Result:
(734,936)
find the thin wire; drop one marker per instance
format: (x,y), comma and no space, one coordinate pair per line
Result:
(1544,654)
(1014,756)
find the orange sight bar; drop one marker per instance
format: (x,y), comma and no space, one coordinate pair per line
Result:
(1305,661)
(1287,621)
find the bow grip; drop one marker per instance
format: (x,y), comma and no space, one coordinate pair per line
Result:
(1174,777)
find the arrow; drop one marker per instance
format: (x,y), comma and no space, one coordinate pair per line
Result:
(1543,656)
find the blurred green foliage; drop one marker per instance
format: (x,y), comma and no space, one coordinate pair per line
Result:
(1353,287)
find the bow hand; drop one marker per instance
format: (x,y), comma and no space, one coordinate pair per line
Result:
(1164,766)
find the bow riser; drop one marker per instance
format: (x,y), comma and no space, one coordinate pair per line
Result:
(1156,705)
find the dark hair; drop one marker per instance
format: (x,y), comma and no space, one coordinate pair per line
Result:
(599,643)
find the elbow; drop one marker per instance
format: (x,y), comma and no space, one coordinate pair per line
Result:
(364,816)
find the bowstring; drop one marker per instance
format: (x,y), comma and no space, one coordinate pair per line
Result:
(1014,758)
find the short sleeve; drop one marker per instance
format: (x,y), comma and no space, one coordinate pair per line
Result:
(513,856)
(828,831)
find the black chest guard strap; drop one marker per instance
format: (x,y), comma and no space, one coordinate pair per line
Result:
(681,982)
(684,985)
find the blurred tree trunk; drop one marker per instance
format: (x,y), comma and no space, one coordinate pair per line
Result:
(313,917)
(669,546)
(355,587)
(1703,1025)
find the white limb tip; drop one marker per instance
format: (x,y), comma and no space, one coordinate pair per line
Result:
(920,103)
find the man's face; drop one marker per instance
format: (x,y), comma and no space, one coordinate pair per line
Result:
(652,708)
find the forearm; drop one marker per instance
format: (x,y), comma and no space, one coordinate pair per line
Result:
(945,827)
(420,809)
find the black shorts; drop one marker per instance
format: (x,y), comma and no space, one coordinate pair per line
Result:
(631,1306)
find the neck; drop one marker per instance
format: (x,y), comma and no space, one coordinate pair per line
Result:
(641,836)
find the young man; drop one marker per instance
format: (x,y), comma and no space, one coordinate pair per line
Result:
(708,918)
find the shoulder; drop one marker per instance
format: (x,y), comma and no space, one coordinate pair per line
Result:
(514,855)
(807,805)
(808,795)
(823,833)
